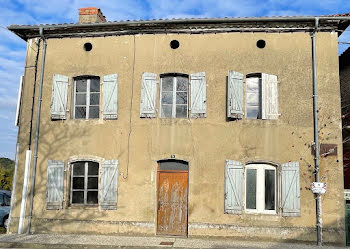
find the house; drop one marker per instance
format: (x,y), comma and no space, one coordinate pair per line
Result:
(184,127)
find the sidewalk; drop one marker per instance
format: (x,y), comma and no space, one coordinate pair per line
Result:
(42,241)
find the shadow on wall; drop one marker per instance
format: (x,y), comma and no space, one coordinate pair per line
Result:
(54,136)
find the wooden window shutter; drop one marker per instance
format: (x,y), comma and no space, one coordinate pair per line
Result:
(54,184)
(110,96)
(59,97)
(148,95)
(235,95)
(109,184)
(269,96)
(233,187)
(198,95)
(290,189)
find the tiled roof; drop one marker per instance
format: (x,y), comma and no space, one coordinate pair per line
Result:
(154,25)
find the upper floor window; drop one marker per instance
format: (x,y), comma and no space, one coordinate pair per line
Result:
(253,97)
(86,97)
(261,96)
(174,96)
(84,188)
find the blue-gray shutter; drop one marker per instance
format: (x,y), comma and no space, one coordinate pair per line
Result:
(110,96)
(235,95)
(269,96)
(198,95)
(233,187)
(290,189)
(59,96)
(54,184)
(148,95)
(109,184)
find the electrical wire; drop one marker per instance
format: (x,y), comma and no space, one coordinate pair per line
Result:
(131,104)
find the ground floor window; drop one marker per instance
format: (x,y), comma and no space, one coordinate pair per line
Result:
(260,188)
(84,187)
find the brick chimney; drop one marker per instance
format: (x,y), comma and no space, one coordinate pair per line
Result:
(91,15)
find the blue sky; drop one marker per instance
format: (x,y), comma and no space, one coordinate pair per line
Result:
(12,48)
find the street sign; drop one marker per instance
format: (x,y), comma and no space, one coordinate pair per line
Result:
(318,187)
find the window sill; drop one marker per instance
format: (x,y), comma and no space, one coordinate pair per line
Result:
(83,206)
(272,213)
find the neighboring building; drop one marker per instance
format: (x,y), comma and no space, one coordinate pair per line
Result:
(190,127)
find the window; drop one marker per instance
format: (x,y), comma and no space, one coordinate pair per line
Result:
(253,97)
(86,98)
(4,200)
(260,194)
(174,96)
(253,188)
(261,96)
(84,187)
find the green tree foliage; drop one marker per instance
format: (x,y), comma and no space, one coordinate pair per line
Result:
(7,167)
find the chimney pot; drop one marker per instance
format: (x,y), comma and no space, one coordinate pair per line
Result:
(91,15)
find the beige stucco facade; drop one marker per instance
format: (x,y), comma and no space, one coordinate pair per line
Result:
(205,142)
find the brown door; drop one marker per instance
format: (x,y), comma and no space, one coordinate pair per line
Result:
(172,203)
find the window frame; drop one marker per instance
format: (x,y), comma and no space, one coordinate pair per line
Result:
(174,76)
(88,97)
(260,184)
(86,189)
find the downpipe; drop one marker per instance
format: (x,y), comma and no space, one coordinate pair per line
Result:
(37,128)
(316,142)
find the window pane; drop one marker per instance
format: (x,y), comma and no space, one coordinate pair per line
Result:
(94,98)
(94,85)
(80,112)
(253,112)
(181,98)
(78,168)
(181,111)
(78,197)
(182,83)
(167,97)
(92,197)
(80,99)
(93,168)
(167,83)
(93,183)
(253,99)
(251,189)
(7,200)
(78,182)
(166,111)
(81,85)
(94,111)
(269,190)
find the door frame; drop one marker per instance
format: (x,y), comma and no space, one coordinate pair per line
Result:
(157,192)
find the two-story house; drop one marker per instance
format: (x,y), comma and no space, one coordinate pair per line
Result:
(189,127)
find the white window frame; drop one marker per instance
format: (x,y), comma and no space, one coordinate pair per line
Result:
(87,99)
(86,176)
(174,94)
(257,76)
(260,191)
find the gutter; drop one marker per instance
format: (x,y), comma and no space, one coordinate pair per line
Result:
(37,129)
(316,133)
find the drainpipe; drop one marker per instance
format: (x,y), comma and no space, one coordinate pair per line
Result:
(316,144)
(35,159)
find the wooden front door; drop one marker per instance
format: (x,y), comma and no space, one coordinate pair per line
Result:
(172,203)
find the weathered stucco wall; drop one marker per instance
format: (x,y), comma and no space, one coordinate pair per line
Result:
(204,143)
